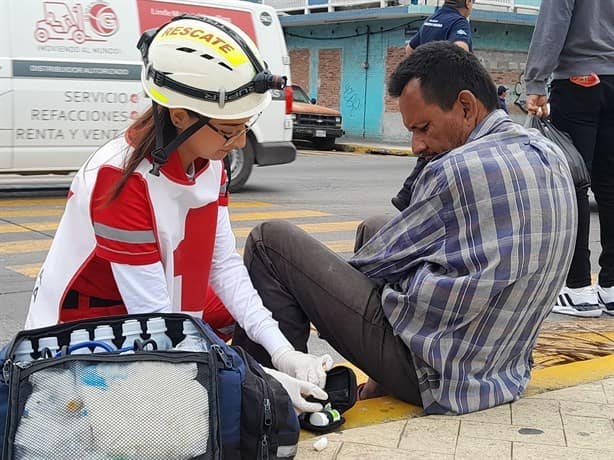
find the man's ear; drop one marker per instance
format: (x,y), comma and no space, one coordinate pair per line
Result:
(469,104)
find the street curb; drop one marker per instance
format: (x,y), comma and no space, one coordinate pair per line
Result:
(570,375)
(374,150)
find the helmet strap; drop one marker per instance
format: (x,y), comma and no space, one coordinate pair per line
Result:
(161,152)
(228,173)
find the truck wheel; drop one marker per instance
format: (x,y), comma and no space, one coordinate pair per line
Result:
(327,143)
(241,163)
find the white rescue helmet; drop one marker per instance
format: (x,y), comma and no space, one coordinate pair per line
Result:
(206,65)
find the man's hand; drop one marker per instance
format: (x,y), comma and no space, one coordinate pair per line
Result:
(298,390)
(462,45)
(537,105)
(303,366)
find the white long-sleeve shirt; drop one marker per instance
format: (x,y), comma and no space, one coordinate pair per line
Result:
(154,248)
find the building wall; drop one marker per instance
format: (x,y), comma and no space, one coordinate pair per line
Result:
(361,64)
(301,62)
(329,77)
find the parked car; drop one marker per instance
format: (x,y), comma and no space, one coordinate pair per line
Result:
(313,122)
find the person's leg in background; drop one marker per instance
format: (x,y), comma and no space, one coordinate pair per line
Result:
(301,281)
(575,110)
(603,188)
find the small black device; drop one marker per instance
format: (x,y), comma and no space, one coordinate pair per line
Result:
(341,389)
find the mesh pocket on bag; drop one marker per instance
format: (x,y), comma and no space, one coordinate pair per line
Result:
(110,410)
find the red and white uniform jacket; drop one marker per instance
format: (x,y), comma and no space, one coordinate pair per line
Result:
(169,235)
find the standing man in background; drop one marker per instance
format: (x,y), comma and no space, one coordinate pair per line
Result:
(449,23)
(574,39)
(501,94)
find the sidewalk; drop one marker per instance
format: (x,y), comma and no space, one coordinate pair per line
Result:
(576,422)
(365,146)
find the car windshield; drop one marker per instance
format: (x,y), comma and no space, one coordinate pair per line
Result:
(298,95)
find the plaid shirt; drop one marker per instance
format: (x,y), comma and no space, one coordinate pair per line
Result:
(472,267)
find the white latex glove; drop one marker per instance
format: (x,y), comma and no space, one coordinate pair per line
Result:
(303,366)
(298,390)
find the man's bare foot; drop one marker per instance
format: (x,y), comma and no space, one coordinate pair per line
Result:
(370,389)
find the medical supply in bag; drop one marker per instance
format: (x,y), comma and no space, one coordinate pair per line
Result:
(77,338)
(23,353)
(47,347)
(166,404)
(131,331)
(104,334)
(156,328)
(192,340)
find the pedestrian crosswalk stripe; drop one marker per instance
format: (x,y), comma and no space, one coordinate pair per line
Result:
(319,227)
(20,247)
(30,212)
(241,217)
(22,202)
(240,232)
(26,246)
(28,227)
(340,246)
(29,270)
(62,201)
(233,216)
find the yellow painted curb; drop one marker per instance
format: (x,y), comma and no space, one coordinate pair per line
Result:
(360,148)
(569,375)
(388,409)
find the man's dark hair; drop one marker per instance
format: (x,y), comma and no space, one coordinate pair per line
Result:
(456,3)
(444,70)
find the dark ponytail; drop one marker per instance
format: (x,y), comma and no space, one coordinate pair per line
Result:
(142,137)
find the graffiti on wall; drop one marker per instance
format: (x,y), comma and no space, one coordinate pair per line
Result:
(351,97)
(521,93)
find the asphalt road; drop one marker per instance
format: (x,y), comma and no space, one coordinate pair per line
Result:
(327,192)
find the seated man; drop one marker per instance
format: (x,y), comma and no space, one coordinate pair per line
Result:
(443,304)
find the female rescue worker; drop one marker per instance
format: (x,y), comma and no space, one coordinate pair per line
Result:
(146,226)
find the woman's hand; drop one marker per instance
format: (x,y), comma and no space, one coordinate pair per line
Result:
(298,390)
(303,366)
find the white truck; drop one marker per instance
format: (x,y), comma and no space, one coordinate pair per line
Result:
(70,79)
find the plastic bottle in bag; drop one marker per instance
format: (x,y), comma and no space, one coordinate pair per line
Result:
(23,352)
(156,328)
(79,336)
(193,340)
(104,334)
(131,331)
(48,347)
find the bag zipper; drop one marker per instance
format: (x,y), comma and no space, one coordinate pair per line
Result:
(268,422)
(268,418)
(13,373)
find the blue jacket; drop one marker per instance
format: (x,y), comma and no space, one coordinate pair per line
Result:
(446,24)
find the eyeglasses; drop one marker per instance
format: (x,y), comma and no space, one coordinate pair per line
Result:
(229,139)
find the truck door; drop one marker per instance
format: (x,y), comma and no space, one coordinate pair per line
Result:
(6,93)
